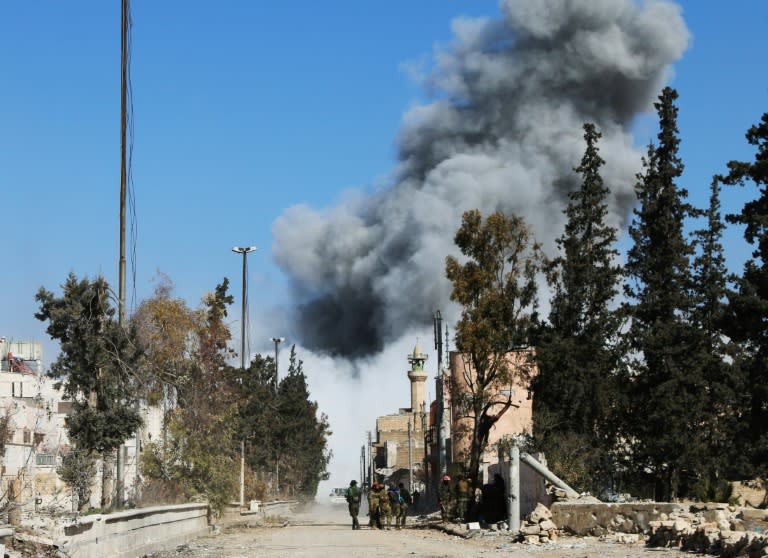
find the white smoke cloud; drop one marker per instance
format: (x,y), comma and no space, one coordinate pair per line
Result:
(348,390)
(503,133)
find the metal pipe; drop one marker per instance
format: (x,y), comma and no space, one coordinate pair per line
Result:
(513,493)
(549,475)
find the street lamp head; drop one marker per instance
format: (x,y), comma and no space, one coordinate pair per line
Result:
(245,250)
(277,339)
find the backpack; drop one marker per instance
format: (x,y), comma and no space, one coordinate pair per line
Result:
(405,497)
(394,497)
(353,494)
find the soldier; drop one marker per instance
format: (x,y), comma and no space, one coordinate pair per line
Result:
(405,502)
(385,508)
(462,498)
(374,517)
(353,502)
(445,499)
(394,503)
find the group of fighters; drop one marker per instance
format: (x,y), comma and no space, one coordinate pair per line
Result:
(385,503)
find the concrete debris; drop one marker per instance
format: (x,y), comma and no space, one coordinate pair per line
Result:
(539,527)
(709,528)
(540,513)
(719,530)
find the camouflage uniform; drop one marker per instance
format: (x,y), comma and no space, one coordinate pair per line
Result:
(374,518)
(353,503)
(462,498)
(385,508)
(445,498)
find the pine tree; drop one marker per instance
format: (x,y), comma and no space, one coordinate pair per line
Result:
(749,304)
(303,435)
(575,390)
(664,376)
(258,407)
(719,356)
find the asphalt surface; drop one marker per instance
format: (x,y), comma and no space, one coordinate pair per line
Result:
(325,531)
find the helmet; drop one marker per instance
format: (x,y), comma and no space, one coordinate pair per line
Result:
(446,477)
(352,483)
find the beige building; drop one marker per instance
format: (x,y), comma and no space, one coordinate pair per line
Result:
(514,394)
(38,435)
(399,444)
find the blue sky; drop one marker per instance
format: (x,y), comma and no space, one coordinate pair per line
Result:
(247,108)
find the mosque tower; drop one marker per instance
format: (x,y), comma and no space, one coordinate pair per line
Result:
(417,375)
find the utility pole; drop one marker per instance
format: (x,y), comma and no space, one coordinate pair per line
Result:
(426,462)
(243,313)
(410,457)
(370,461)
(440,381)
(362,467)
(243,332)
(277,341)
(125,22)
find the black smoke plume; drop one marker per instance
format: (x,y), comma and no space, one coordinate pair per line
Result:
(503,132)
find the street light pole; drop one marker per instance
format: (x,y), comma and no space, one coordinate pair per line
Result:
(277,341)
(244,317)
(243,330)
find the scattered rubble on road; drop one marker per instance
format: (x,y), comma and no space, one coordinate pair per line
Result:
(714,529)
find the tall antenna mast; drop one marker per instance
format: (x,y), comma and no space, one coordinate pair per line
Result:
(126,17)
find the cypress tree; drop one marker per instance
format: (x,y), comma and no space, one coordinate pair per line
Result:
(303,435)
(718,354)
(749,303)
(575,389)
(664,379)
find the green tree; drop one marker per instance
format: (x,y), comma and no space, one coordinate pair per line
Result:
(749,303)
(97,363)
(285,434)
(200,452)
(77,470)
(166,328)
(302,434)
(258,409)
(664,380)
(719,356)
(496,287)
(576,389)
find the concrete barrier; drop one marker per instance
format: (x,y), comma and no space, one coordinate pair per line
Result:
(133,533)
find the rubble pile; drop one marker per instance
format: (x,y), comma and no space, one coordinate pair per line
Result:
(539,527)
(713,529)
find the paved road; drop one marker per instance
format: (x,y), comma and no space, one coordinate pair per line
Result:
(326,532)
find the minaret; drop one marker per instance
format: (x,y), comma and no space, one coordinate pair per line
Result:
(417,375)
